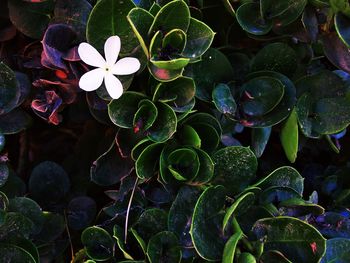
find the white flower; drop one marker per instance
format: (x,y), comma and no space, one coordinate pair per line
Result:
(106,69)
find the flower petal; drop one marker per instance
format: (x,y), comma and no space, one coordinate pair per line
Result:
(90,55)
(126,66)
(112,49)
(113,86)
(92,80)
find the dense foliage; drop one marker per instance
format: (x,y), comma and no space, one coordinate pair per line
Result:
(229,144)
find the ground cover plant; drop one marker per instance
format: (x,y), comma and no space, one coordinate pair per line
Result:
(174,131)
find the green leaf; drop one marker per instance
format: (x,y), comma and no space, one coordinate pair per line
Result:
(295,9)
(274,256)
(4,174)
(122,111)
(173,64)
(175,38)
(165,125)
(338,250)
(223,100)
(98,243)
(181,212)
(140,21)
(281,111)
(15,121)
(299,241)
(110,167)
(342,24)
(164,75)
(147,163)
(199,39)
(235,168)
(174,15)
(53,226)
(9,91)
(151,222)
(340,6)
(215,67)
(230,248)
(13,253)
(270,9)
(188,136)
(206,169)
(163,247)
(240,206)
(16,224)
(154,9)
(178,93)
(285,176)
(249,17)
(145,115)
(31,18)
(24,244)
(276,57)
(206,232)
(289,136)
(208,129)
(183,164)
(28,208)
(109,18)
(260,138)
(48,182)
(74,13)
(322,110)
(263,95)
(336,51)
(118,234)
(246,257)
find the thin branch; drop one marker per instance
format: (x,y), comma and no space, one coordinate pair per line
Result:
(128,210)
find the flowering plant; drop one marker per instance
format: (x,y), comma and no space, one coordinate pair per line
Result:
(174,131)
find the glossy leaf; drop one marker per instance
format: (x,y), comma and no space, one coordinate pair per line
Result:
(297,240)
(163,247)
(338,250)
(140,21)
(9,91)
(165,125)
(31,18)
(290,137)
(199,39)
(110,167)
(263,95)
(109,18)
(180,214)
(147,163)
(174,15)
(98,243)
(249,17)
(15,254)
(151,222)
(260,138)
(215,67)
(15,121)
(285,176)
(277,57)
(240,206)
(230,248)
(206,224)
(122,110)
(235,168)
(223,100)
(178,93)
